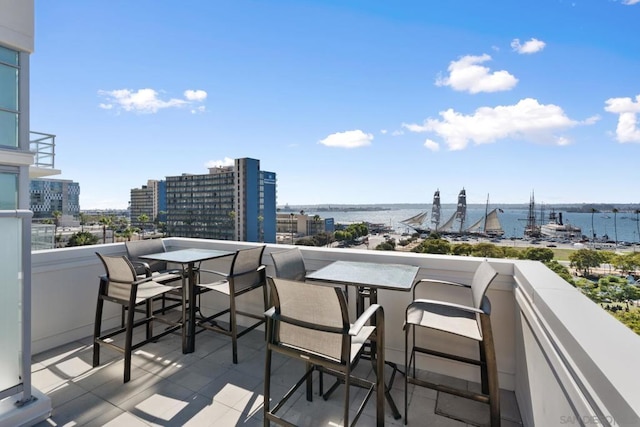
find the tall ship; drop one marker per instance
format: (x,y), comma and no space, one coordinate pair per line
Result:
(417,222)
(455,224)
(489,225)
(532,229)
(435,211)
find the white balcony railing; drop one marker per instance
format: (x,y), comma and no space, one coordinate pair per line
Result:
(568,361)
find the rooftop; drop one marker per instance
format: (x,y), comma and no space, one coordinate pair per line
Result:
(561,358)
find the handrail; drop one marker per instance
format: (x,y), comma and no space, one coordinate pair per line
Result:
(44,149)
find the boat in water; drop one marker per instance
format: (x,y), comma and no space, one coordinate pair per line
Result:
(489,225)
(455,224)
(417,222)
(556,228)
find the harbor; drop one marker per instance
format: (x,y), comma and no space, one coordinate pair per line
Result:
(607,227)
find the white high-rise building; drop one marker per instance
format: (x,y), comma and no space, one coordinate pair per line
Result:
(20,404)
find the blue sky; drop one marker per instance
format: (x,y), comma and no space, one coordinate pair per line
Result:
(347,101)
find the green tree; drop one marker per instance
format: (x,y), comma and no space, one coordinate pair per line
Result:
(462,249)
(388,245)
(583,260)
(487,250)
(537,254)
(433,246)
(306,241)
(82,238)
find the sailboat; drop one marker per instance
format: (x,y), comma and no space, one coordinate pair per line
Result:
(488,225)
(455,224)
(417,221)
(435,210)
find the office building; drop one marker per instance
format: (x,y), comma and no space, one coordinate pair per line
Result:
(149,200)
(235,202)
(293,224)
(50,195)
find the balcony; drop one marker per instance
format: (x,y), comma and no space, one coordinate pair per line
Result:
(43,145)
(561,359)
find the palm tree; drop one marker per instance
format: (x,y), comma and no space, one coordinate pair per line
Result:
(83,220)
(593,231)
(56,222)
(143,218)
(637,212)
(127,233)
(105,221)
(615,224)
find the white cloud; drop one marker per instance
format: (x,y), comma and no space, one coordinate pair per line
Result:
(383,131)
(348,139)
(627,110)
(466,75)
(630,2)
(431,145)
(148,100)
(532,46)
(195,95)
(528,120)
(397,133)
(227,161)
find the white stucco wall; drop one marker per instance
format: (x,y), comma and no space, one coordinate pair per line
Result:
(17,24)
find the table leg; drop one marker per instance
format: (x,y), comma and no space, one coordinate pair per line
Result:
(373,299)
(191,321)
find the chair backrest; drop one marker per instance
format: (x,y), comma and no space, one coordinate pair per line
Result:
(120,275)
(482,278)
(311,318)
(136,248)
(245,267)
(289,264)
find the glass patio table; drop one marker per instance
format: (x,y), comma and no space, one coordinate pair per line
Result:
(368,277)
(188,258)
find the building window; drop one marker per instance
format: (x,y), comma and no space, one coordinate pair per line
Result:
(9,74)
(8,191)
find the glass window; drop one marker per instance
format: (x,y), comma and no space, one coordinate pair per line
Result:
(8,129)
(8,56)
(8,88)
(8,191)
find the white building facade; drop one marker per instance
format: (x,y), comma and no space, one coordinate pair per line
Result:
(19,403)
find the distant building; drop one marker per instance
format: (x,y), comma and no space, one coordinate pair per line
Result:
(149,200)
(50,195)
(229,203)
(301,224)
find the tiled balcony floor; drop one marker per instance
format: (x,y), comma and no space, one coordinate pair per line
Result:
(168,388)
